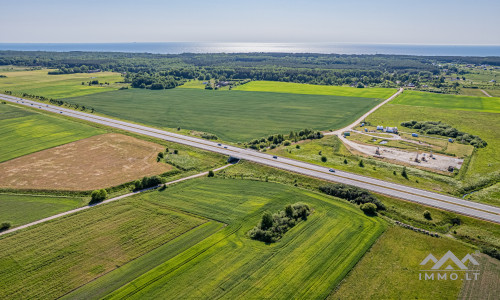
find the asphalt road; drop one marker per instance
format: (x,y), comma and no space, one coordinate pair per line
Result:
(457,205)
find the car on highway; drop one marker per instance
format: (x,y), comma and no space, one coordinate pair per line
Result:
(225,147)
(275,157)
(219,144)
(332,170)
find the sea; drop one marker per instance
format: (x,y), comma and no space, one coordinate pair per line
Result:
(324,48)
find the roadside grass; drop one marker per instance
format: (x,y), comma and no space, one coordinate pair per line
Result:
(484,166)
(101,161)
(474,231)
(451,102)
(472,92)
(23,209)
(311,89)
(390,269)
(235,116)
(488,195)
(335,152)
(229,264)
(25,131)
(493,93)
(53,258)
(39,83)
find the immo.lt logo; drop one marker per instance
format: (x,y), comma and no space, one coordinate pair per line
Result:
(449,267)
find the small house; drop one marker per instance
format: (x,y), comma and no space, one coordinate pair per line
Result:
(414,134)
(391,129)
(380,127)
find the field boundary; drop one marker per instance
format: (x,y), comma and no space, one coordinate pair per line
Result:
(107,201)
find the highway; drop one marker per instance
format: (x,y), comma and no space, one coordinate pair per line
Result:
(441,201)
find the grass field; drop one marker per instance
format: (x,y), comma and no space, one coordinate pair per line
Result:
(311,89)
(335,152)
(451,102)
(232,115)
(49,260)
(23,209)
(228,264)
(485,163)
(39,83)
(24,131)
(487,286)
(390,270)
(100,161)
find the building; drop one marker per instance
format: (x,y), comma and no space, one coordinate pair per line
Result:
(391,129)
(414,135)
(380,127)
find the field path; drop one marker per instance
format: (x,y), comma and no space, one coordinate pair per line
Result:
(106,201)
(349,127)
(484,92)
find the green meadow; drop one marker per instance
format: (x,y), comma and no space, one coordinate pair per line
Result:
(452,102)
(235,116)
(23,209)
(229,264)
(25,131)
(484,164)
(311,89)
(39,83)
(54,258)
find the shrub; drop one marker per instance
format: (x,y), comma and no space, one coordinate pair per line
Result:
(4,226)
(160,155)
(361,164)
(176,151)
(404,174)
(297,146)
(323,158)
(211,173)
(351,193)
(272,226)
(427,215)
(148,182)
(345,161)
(369,209)
(98,196)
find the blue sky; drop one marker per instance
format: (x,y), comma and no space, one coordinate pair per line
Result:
(355,21)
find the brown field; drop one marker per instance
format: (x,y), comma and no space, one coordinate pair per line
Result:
(97,162)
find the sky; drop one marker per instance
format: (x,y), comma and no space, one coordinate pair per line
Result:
(355,21)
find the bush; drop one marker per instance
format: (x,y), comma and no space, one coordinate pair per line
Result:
(176,151)
(323,158)
(352,194)
(297,146)
(345,161)
(98,196)
(361,164)
(211,173)
(369,209)
(404,174)
(148,182)
(272,226)
(493,252)
(427,215)
(4,226)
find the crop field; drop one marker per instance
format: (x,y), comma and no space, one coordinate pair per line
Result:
(232,115)
(39,83)
(390,270)
(487,287)
(100,161)
(452,102)
(494,93)
(229,264)
(52,259)
(24,131)
(311,89)
(23,209)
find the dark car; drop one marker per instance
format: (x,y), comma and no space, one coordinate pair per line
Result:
(332,170)
(274,156)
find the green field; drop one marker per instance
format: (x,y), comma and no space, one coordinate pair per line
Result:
(484,167)
(52,259)
(311,89)
(22,209)
(232,115)
(25,131)
(390,270)
(229,264)
(452,102)
(39,83)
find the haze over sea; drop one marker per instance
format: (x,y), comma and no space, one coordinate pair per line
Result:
(193,47)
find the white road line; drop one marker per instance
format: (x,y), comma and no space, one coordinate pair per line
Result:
(441,201)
